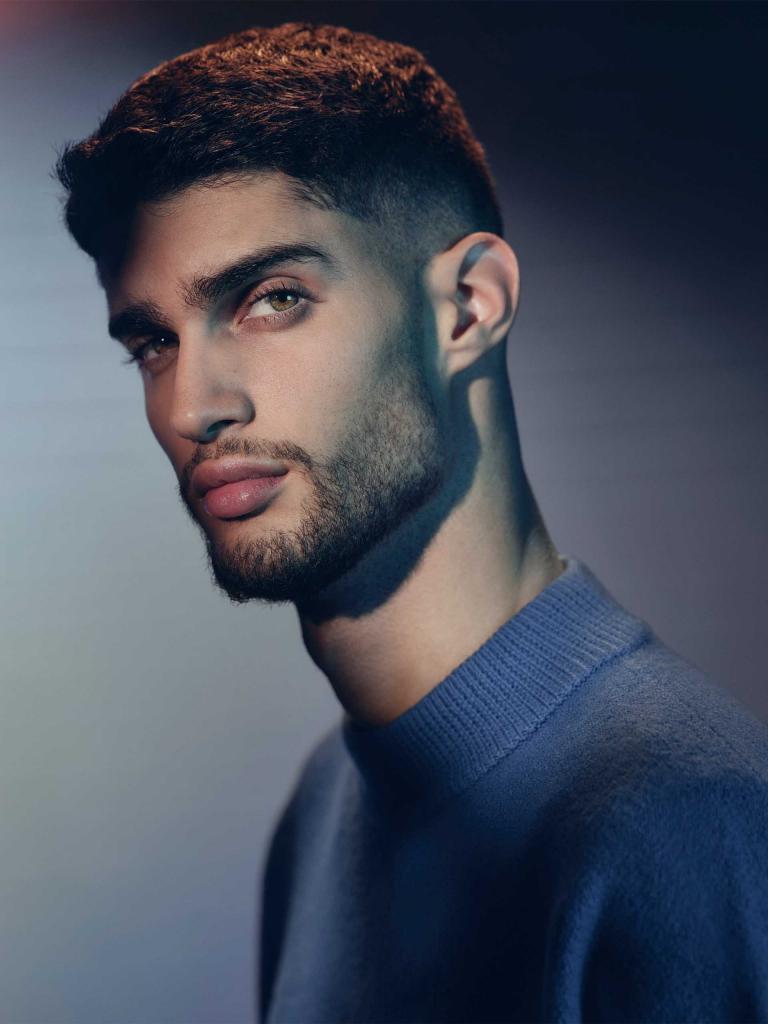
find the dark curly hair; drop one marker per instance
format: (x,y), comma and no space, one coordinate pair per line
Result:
(359,124)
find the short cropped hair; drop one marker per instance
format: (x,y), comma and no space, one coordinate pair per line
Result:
(358,124)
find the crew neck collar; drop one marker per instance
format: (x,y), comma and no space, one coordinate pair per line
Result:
(496,697)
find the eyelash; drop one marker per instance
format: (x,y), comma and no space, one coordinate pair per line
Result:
(280,288)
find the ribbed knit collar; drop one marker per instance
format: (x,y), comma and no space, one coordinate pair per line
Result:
(496,697)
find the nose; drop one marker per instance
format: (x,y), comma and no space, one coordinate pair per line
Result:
(207,396)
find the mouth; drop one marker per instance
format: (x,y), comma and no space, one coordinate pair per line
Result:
(241,498)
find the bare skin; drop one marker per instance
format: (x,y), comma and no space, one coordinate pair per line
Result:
(405,532)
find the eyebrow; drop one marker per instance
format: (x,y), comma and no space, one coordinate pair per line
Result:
(203,291)
(139,318)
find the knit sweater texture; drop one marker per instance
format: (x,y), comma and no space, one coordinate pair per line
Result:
(571,826)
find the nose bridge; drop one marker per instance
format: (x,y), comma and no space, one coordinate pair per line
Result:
(206,394)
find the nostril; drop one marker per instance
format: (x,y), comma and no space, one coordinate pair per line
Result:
(218,426)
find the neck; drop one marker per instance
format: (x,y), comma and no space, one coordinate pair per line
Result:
(484,560)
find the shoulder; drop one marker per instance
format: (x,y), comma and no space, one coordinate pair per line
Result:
(662,901)
(671,790)
(671,759)
(320,767)
(674,696)
(317,782)
(652,732)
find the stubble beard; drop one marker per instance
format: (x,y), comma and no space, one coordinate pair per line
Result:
(389,464)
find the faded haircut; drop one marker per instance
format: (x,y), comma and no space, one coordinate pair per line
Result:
(358,124)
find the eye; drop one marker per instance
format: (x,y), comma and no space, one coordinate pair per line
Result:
(290,300)
(282,299)
(159,342)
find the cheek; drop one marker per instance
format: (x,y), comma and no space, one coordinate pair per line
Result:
(321,410)
(313,395)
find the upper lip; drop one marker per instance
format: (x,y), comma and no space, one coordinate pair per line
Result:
(216,472)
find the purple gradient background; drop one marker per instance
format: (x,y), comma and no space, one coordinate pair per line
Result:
(150,731)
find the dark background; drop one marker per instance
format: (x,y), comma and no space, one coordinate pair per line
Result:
(150,731)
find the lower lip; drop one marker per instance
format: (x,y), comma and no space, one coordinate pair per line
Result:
(237,499)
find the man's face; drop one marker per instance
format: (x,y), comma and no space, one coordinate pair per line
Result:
(325,376)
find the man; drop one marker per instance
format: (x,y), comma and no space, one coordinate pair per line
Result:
(529,809)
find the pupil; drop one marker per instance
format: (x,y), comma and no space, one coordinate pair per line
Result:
(278,296)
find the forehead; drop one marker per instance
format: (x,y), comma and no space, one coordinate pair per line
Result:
(209,224)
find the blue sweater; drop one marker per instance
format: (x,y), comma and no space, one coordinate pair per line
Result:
(571,826)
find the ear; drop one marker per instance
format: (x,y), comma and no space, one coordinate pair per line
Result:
(474,287)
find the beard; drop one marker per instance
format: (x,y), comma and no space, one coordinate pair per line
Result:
(390,462)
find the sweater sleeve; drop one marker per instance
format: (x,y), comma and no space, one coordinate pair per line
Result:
(671,923)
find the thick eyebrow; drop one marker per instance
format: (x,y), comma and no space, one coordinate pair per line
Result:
(204,291)
(139,318)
